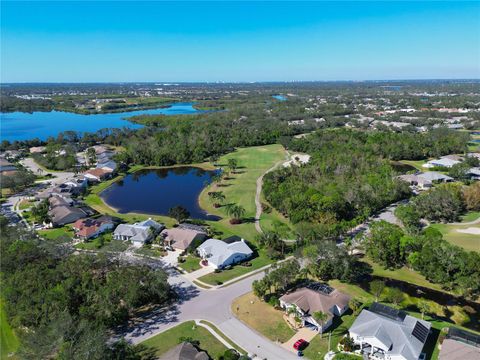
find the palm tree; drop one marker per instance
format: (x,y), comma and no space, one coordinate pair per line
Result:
(217,178)
(236,212)
(292,310)
(320,317)
(232,165)
(423,306)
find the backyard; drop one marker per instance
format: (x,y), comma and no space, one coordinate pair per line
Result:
(174,336)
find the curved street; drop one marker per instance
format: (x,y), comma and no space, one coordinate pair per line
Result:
(211,305)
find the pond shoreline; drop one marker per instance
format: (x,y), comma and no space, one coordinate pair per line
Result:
(204,167)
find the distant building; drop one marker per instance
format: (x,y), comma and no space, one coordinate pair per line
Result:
(442,162)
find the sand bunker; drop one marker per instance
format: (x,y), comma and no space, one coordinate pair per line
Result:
(470,230)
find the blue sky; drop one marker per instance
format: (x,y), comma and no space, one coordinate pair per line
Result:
(238,41)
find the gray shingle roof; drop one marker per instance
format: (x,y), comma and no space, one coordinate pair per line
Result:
(395,336)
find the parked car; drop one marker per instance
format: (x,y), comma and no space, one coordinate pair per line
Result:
(300,344)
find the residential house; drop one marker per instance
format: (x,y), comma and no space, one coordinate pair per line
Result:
(442,162)
(434,177)
(86,229)
(7,168)
(389,334)
(182,238)
(96,175)
(109,166)
(460,345)
(37,149)
(184,351)
(220,254)
(316,297)
(416,181)
(62,212)
(474,173)
(139,233)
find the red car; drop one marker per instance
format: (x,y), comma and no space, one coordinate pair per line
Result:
(300,344)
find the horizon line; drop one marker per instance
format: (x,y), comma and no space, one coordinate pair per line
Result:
(237,82)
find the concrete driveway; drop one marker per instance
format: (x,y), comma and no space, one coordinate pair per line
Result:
(303,333)
(171,258)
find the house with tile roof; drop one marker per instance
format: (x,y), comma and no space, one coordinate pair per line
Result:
(89,228)
(316,297)
(183,238)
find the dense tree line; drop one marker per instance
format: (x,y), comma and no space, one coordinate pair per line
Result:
(389,145)
(428,253)
(62,305)
(342,181)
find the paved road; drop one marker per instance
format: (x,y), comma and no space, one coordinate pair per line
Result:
(59,176)
(210,305)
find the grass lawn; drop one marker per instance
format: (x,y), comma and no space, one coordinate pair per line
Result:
(191,263)
(416,163)
(319,345)
(471,216)
(262,317)
(467,241)
(241,187)
(170,338)
(25,204)
(8,341)
(239,349)
(237,270)
(54,234)
(402,274)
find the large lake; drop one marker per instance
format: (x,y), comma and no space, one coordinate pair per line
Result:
(155,191)
(25,126)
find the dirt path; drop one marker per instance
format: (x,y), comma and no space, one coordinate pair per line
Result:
(258,203)
(474,222)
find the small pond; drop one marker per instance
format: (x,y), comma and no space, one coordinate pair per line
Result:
(402,168)
(155,191)
(279,97)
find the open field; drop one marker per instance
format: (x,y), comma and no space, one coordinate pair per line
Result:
(262,317)
(8,341)
(468,241)
(402,274)
(241,187)
(170,338)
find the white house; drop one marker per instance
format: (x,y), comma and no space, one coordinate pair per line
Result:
(219,253)
(389,334)
(443,162)
(316,297)
(139,233)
